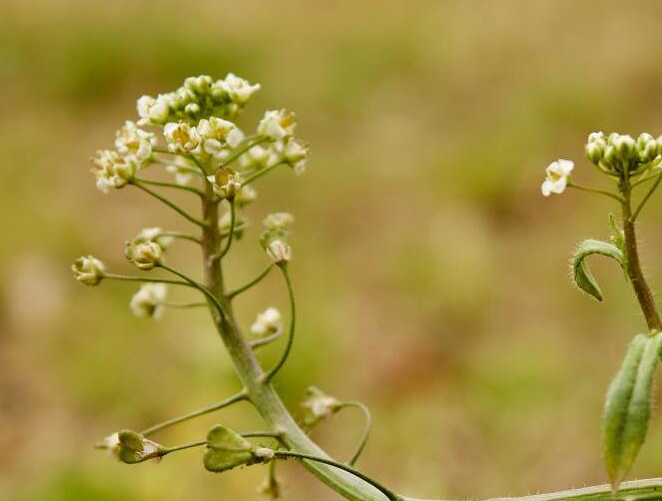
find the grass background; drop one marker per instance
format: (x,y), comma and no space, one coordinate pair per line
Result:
(431,274)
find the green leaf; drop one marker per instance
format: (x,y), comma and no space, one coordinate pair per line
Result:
(628,406)
(227,449)
(582,276)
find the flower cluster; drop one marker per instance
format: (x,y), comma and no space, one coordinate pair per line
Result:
(618,154)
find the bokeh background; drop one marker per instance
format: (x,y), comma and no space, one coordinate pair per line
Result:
(431,274)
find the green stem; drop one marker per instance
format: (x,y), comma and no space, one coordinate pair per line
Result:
(243,150)
(646,197)
(169,204)
(259,174)
(239,397)
(177,234)
(595,190)
(228,242)
(258,343)
(127,278)
(298,455)
(168,185)
(250,284)
(290,337)
(633,267)
(171,304)
(198,286)
(366,433)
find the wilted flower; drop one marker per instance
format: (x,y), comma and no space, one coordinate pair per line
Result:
(145,255)
(238,89)
(131,447)
(558,175)
(226,182)
(133,141)
(148,301)
(318,405)
(112,170)
(181,137)
(88,270)
(217,133)
(279,221)
(267,323)
(276,124)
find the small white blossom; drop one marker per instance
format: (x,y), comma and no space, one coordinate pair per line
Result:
(279,221)
(257,156)
(226,182)
(239,90)
(133,141)
(145,255)
(318,405)
(217,133)
(181,137)
(148,301)
(279,250)
(200,84)
(154,235)
(88,270)
(558,175)
(112,170)
(152,110)
(268,322)
(276,124)
(245,195)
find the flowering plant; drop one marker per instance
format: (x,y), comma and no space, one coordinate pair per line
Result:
(193,134)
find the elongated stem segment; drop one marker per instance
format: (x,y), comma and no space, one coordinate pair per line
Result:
(290,336)
(250,284)
(168,185)
(239,397)
(259,174)
(167,202)
(233,218)
(366,433)
(128,278)
(633,267)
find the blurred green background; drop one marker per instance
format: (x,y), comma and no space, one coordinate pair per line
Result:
(431,274)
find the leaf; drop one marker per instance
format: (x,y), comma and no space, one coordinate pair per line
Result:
(582,276)
(226,449)
(628,406)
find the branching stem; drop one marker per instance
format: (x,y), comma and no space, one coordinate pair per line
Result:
(128,278)
(173,206)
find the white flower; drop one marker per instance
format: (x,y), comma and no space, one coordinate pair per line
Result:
(245,195)
(226,182)
(154,235)
(112,170)
(148,301)
(318,405)
(181,168)
(181,137)
(268,322)
(152,110)
(88,270)
(133,141)
(239,90)
(295,154)
(145,255)
(276,124)
(279,251)
(279,221)
(216,133)
(558,174)
(257,156)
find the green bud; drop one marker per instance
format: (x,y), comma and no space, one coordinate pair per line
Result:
(596,136)
(595,150)
(625,147)
(192,110)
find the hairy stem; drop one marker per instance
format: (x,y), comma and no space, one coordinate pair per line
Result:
(633,266)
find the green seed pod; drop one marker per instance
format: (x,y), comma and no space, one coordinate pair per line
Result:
(227,449)
(580,272)
(628,404)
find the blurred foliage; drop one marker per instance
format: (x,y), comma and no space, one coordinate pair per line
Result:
(431,274)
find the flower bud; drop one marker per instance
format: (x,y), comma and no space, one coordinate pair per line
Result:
(276,124)
(647,147)
(145,255)
(596,136)
(245,195)
(238,89)
(318,406)
(279,251)
(279,221)
(192,110)
(625,146)
(88,270)
(595,150)
(199,85)
(267,323)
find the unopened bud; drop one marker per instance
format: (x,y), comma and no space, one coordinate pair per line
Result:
(595,150)
(88,270)
(145,255)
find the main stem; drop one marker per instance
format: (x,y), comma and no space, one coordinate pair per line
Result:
(633,266)
(263,396)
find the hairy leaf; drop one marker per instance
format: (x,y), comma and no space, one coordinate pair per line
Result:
(628,404)
(582,276)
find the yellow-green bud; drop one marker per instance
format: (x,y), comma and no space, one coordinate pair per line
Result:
(145,255)
(595,150)
(88,270)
